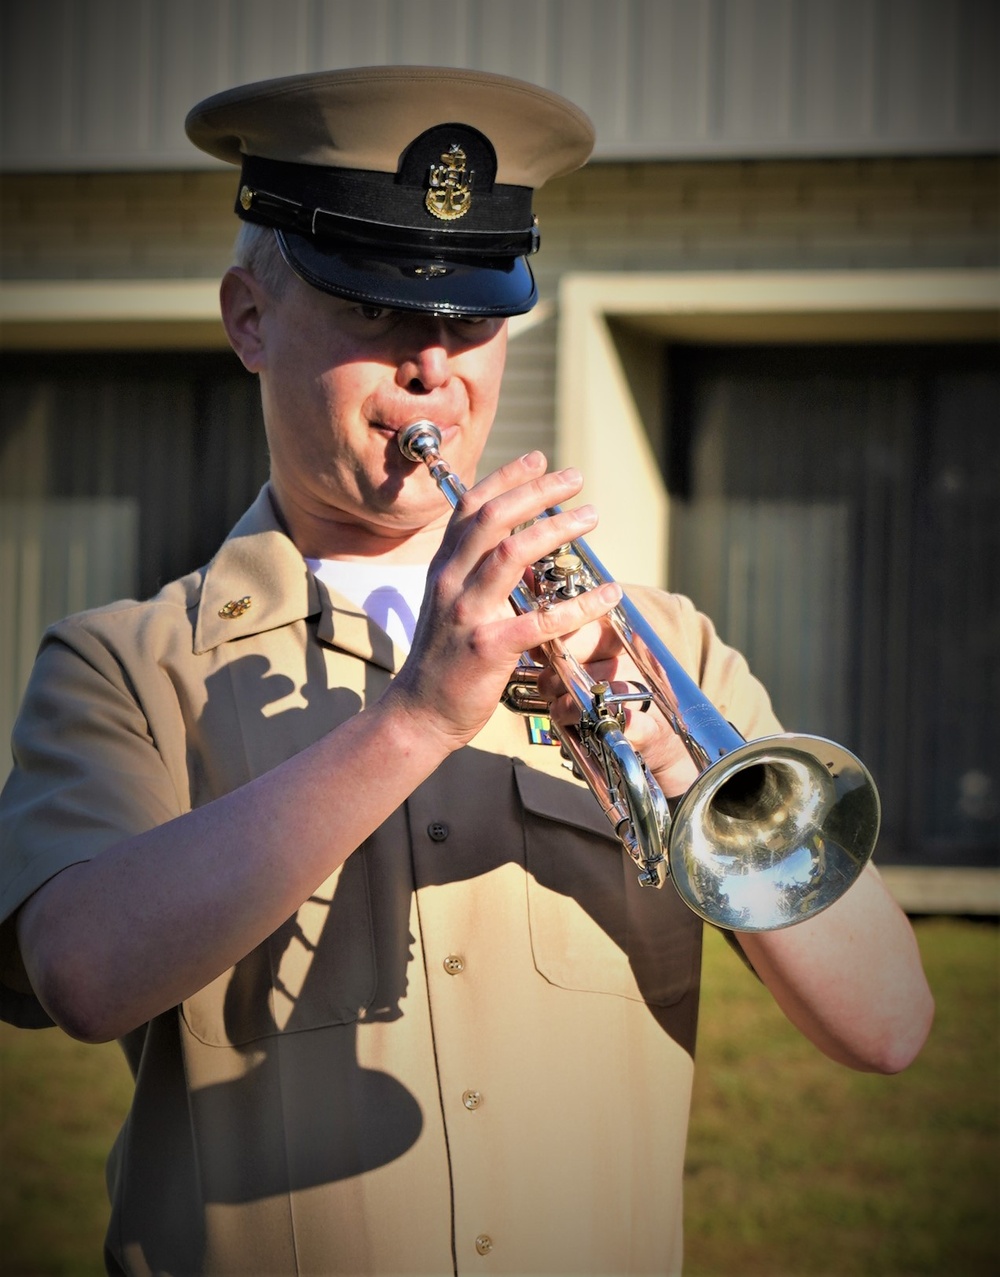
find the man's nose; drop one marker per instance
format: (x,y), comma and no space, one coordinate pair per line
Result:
(426,358)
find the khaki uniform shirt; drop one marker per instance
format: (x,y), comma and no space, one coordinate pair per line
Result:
(469,1051)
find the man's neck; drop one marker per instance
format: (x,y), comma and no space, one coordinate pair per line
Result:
(333,535)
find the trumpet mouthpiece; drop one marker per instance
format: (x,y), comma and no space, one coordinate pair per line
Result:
(418,438)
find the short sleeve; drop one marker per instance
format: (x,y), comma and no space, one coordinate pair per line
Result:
(87,774)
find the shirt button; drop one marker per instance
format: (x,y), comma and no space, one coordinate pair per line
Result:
(453,964)
(472,1099)
(484,1244)
(438,830)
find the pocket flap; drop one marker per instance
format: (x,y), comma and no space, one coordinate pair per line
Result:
(555,798)
(594,928)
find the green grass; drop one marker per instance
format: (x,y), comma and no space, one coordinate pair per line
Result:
(796,1166)
(61,1104)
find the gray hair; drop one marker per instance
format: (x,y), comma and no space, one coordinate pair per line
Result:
(256,250)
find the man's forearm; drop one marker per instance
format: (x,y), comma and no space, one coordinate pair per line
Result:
(110,942)
(851,979)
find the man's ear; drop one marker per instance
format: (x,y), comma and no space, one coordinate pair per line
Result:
(243,300)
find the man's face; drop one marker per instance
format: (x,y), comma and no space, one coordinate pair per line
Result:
(339,380)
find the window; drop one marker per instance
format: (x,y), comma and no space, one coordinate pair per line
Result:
(836,510)
(118,473)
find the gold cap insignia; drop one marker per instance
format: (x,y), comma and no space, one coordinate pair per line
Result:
(246,198)
(449,192)
(235,607)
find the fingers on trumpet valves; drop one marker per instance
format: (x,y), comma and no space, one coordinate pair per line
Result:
(523,490)
(547,540)
(560,575)
(562,618)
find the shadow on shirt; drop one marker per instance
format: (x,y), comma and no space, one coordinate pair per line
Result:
(278,1096)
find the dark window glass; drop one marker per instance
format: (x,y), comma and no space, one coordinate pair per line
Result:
(836,510)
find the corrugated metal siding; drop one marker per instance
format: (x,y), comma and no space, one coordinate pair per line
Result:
(102,84)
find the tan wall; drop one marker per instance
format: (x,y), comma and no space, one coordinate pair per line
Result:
(664,216)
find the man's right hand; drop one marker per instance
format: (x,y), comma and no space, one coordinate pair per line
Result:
(468,637)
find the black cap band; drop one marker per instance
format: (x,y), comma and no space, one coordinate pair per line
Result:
(378,209)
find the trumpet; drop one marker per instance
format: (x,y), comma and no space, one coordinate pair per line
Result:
(772,831)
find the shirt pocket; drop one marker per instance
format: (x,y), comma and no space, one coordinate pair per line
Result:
(593,927)
(316,970)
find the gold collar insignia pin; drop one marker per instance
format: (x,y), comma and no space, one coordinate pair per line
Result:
(235,608)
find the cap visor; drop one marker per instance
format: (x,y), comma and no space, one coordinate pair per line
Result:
(410,283)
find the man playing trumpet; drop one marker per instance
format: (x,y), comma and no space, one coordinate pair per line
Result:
(393,998)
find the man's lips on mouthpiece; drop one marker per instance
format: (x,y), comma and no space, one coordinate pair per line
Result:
(396,428)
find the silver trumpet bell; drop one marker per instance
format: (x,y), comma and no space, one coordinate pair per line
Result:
(772,832)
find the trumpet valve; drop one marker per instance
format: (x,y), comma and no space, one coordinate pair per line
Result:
(562,574)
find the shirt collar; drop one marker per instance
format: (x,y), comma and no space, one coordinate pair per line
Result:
(258,581)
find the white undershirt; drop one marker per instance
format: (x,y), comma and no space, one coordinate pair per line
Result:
(390,594)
